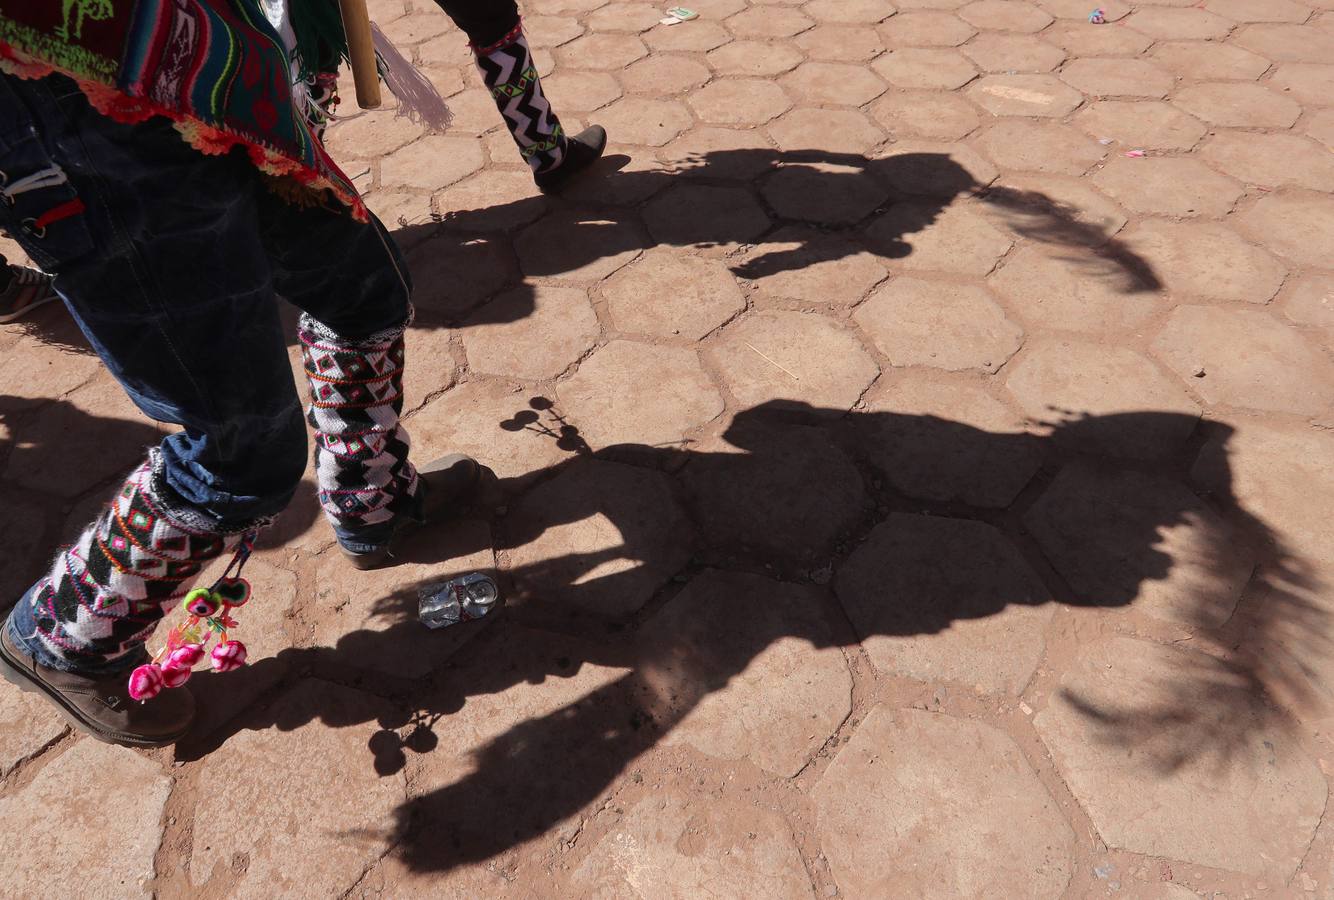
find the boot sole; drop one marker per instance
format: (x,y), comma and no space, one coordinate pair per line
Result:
(15,675)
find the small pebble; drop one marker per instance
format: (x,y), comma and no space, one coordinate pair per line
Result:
(1198,372)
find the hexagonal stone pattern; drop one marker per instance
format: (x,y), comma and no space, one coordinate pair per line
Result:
(629,393)
(604,52)
(755,58)
(925,29)
(1043,96)
(1005,15)
(838,43)
(850,12)
(1311,301)
(956,239)
(1013,53)
(27,724)
(739,102)
(949,599)
(1126,539)
(787,686)
(1272,11)
(58,812)
(813,266)
(1144,785)
(664,75)
(726,848)
(722,153)
(833,84)
(912,782)
(1310,85)
(1141,124)
(927,114)
(833,195)
(1206,259)
(1287,43)
(651,123)
(1168,186)
(832,130)
(1298,225)
(1014,144)
(1117,78)
(768,22)
(1209,61)
(1095,398)
(577,246)
(1166,24)
(934,323)
(701,37)
(1077,39)
(1238,105)
(600,538)
(1273,160)
(585,91)
(775,355)
(933,169)
(1249,359)
(943,437)
(925,69)
(431,163)
(718,217)
(666,294)
(531,332)
(1038,200)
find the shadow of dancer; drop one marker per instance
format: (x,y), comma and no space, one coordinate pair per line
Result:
(786,491)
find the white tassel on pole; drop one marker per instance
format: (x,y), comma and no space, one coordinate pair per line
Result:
(417,97)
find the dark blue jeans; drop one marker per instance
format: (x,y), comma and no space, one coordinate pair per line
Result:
(172,263)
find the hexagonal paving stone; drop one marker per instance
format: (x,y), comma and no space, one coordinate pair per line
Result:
(749,101)
(493,420)
(494,199)
(942,437)
(1209,61)
(1249,358)
(1311,301)
(913,784)
(719,217)
(1059,210)
(850,12)
(431,163)
(755,58)
(742,850)
(414,28)
(551,31)
(1044,96)
(721,153)
(812,266)
(635,393)
(533,332)
(1123,538)
(927,69)
(784,490)
(1039,147)
(451,277)
(1118,78)
(1113,11)
(1005,15)
(827,194)
(841,43)
(1238,105)
(1298,225)
(831,130)
(565,7)
(1168,186)
(784,684)
(577,246)
(926,168)
(1269,11)
(600,537)
(775,355)
(949,599)
(70,803)
(1273,160)
(649,123)
(939,324)
(1141,124)
(664,75)
(1095,397)
(28,724)
(925,29)
(1206,259)
(1013,53)
(1320,125)
(1166,24)
(1050,288)
(929,114)
(1287,43)
(834,84)
(371,134)
(1077,39)
(630,18)
(1146,787)
(601,52)
(582,91)
(666,293)
(768,22)
(1310,85)
(699,38)
(925,237)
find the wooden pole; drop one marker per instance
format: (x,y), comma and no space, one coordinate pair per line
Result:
(361,52)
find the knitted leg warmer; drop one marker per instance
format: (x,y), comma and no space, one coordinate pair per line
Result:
(508,70)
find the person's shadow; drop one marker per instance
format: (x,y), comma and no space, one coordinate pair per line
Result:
(906,507)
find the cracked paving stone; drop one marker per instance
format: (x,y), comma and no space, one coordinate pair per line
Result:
(28,722)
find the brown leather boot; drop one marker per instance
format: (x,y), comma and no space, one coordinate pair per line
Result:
(101,706)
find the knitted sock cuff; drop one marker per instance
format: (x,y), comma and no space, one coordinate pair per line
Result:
(312,326)
(510,37)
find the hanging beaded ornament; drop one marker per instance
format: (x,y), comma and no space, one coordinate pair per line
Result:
(208,614)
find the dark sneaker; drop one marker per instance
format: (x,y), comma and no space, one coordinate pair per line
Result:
(28,289)
(581,151)
(444,483)
(101,706)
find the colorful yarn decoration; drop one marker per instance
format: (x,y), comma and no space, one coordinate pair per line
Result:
(208,615)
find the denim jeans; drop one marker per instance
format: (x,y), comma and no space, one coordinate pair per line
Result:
(172,263)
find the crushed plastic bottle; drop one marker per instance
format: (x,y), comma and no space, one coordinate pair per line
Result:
(460,599)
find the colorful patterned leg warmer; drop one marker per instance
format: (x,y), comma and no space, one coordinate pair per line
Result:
(361,450)
(104,595)
(508,70)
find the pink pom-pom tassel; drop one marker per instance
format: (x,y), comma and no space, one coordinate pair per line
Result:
(174,676)
(146,682)
(228,655)
(186,656)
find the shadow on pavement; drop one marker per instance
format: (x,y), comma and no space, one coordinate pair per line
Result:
(878,493)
